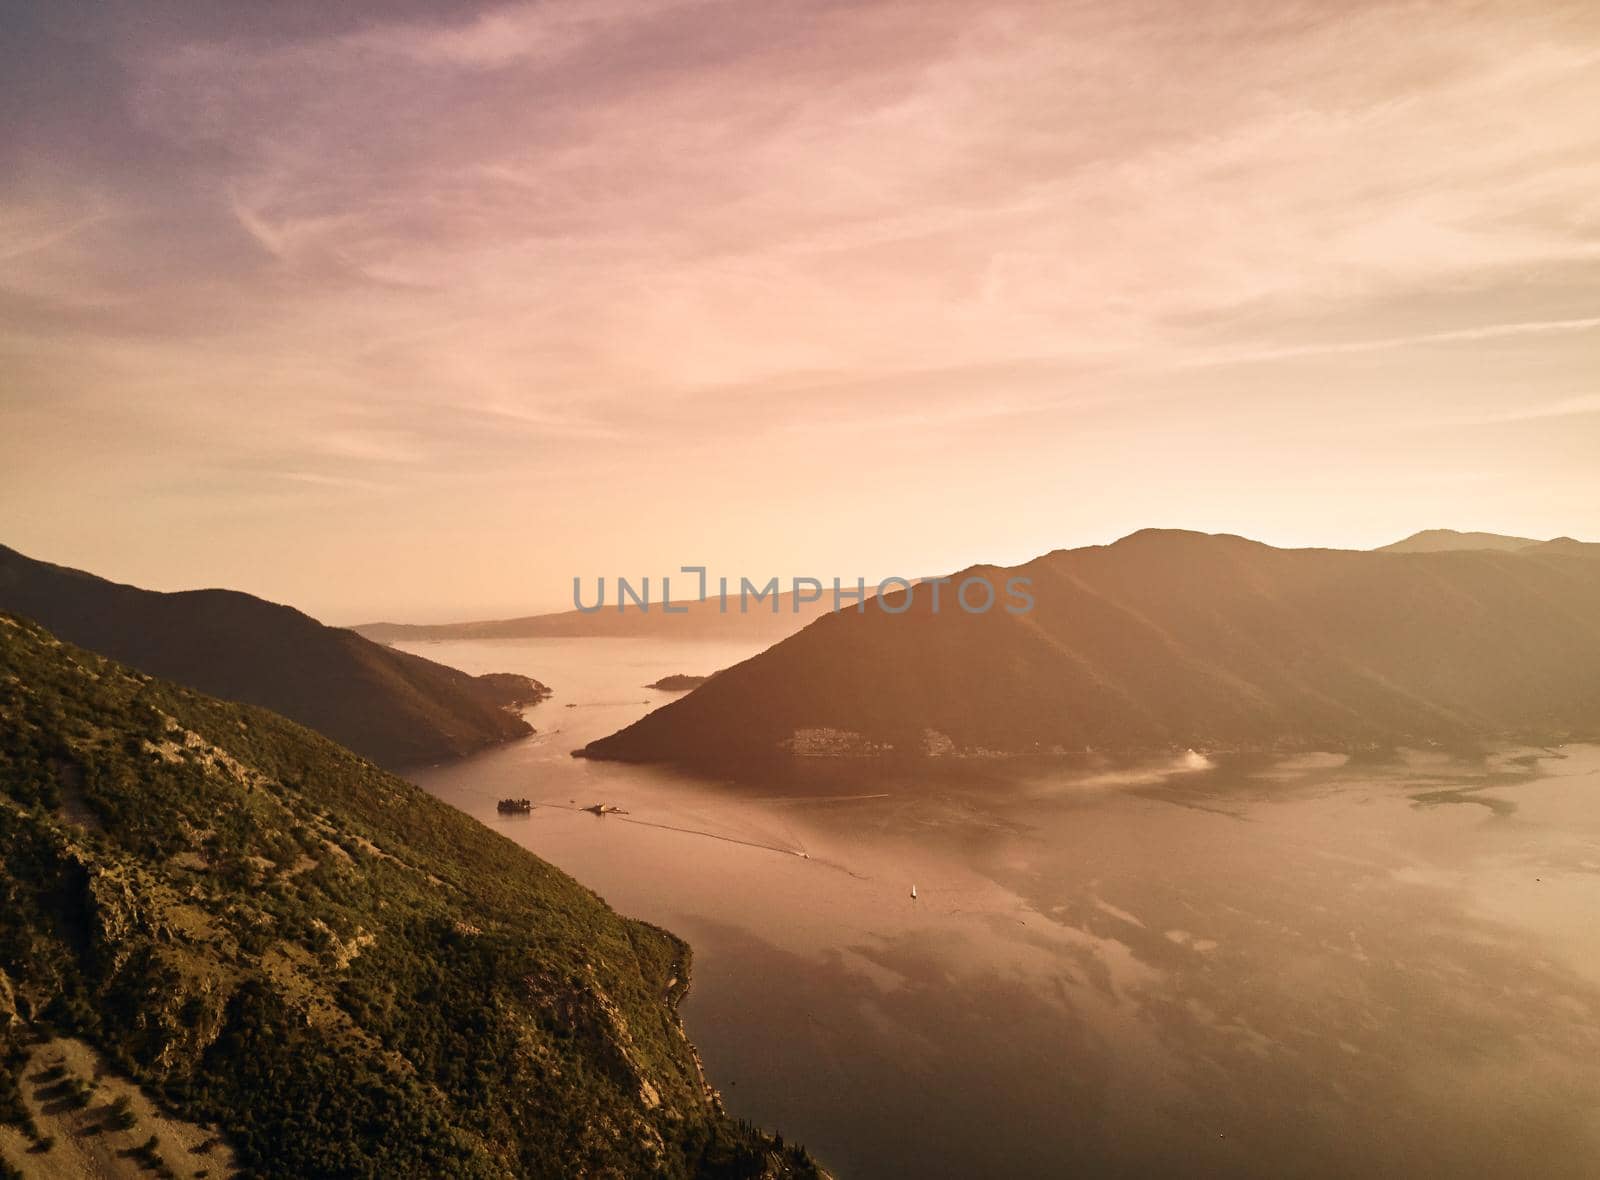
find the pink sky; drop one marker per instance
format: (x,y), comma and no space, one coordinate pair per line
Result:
(420,313)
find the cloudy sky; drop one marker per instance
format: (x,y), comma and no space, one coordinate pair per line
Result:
(418,311)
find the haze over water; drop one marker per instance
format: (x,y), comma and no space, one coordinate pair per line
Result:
(1308,967)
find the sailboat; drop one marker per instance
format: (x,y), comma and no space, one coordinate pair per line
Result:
(913,893)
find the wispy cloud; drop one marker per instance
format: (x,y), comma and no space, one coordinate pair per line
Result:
(655,238)
(23,235)
(322,480)
(1388,343)
(534,34)
(1566,407)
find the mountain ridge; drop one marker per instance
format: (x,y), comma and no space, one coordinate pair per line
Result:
(1443,540)
(393,707)
(1169,639)
(699,618)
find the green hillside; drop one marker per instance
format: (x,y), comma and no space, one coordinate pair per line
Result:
(346,976)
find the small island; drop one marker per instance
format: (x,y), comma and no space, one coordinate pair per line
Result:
(511,690)
(679,683)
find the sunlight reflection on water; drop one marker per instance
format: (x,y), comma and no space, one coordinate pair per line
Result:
(1222,968)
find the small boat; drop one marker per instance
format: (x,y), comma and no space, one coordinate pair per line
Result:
(514,806)
(913,893)
(605,809)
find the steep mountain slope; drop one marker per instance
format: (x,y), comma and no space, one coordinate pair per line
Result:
(387,705)
(1447,540)
(344,975)
(1172,639)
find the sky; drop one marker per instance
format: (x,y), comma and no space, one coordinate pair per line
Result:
(418,311)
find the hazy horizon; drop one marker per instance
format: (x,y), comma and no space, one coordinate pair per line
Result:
(685,588)
(416,313)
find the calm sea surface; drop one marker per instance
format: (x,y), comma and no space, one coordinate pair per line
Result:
(1307,968)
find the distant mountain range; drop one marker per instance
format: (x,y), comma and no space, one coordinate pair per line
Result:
(1170,639)
(334,972)
(394,708)
(1446,540)
(704,619)
(700,619)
